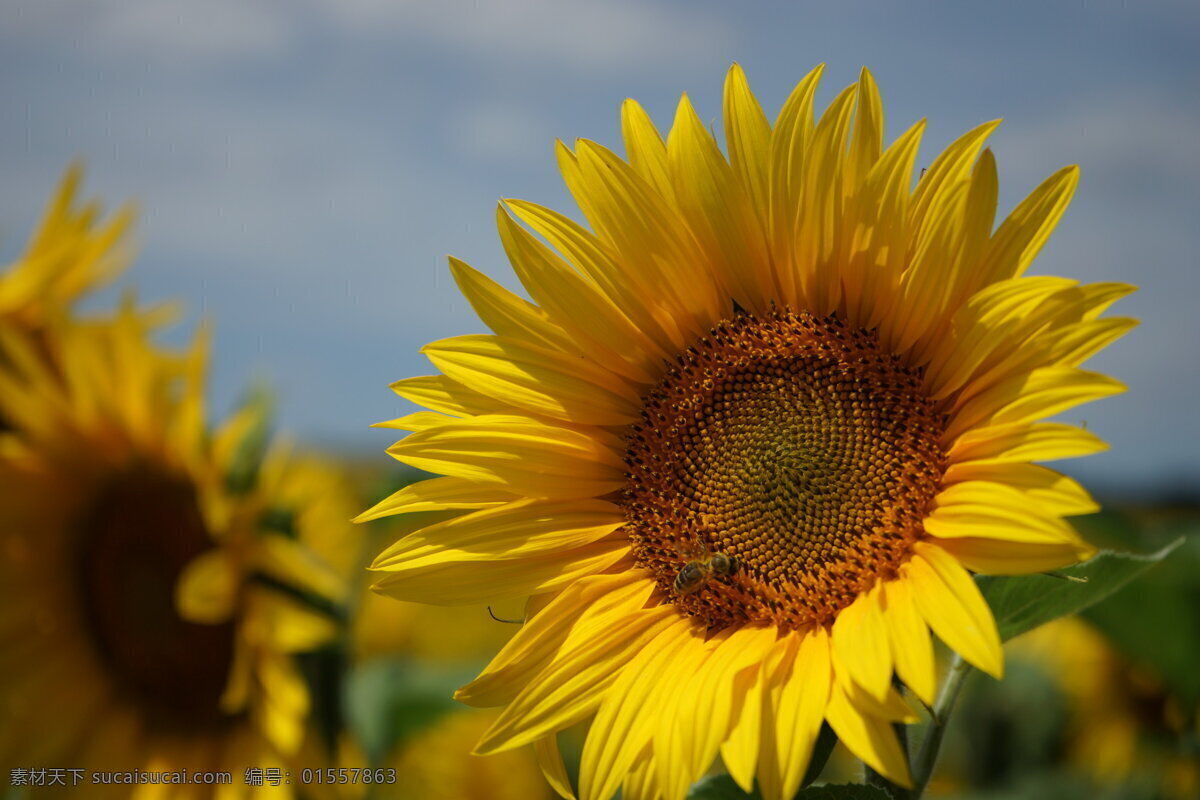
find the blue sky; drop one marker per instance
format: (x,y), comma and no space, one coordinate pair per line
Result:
(303,168)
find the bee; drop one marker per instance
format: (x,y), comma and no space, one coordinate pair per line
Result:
(697,572)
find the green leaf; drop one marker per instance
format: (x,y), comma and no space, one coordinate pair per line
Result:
(1156,623)
(1021,603)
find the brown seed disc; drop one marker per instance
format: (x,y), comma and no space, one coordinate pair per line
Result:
(141,531)
(793,445)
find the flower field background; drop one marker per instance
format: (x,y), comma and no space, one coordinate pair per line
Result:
(188,380)
(1102,703)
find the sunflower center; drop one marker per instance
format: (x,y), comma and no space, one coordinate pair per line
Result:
(138,536)
(782,467)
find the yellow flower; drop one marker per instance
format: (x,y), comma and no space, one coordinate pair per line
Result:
(71,253)
(150,616)
(749,440)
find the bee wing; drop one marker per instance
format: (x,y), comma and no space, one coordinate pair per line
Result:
(691,550)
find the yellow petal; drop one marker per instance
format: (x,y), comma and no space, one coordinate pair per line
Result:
(540,638)
(1022,234)
(447,396)
(460,582)
(575,304)
(870,738)
(996,557)
(436,494)
(1076,343)
(628,291)
(621,728)
(514,530)
(284,704)
(718,211)
(1057,344)
(994,511)
(926,285)
(790,139)
(860,637)
(911,644)
(892,707)
(649,241)
(287,626)
(951,166)
(1026,398)
(1023,441)
(518,454)
(712,692)
(776,670)
(1099,296)
(236,695)
(295,565)
(506,314)
(642,781)
(979,215)
(571,687)
(802,707)
(739,751)
(1053,493)
(671,740)
(820,236)
(748,139)
(866,143)
(550,761)
(418,421)
(553,384)
(877,254)
(1000,317)
(207,588)
(645,148)
(950,602)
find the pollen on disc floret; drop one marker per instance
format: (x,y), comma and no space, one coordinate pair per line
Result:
(796,448)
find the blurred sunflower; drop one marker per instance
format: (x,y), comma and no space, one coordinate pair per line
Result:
(73,251)
(745,446)
(1124,725)
(151,606)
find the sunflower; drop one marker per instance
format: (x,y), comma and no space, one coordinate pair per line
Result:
(745,447)
(150,611)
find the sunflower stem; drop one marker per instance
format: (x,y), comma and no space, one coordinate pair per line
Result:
(940,717)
